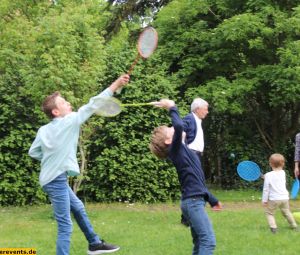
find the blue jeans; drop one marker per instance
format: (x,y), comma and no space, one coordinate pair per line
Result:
(64,201)
(203,235)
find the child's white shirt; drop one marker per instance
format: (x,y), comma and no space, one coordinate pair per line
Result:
(275,186)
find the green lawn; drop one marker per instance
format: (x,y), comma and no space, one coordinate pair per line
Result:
(241,228)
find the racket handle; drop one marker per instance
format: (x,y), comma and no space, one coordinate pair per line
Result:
(133,64)
(118,91)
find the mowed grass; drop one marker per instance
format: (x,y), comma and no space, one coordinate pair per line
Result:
(154,229)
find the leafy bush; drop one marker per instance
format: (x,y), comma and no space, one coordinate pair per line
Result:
(242,58)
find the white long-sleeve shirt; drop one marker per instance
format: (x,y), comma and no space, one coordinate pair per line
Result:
(56,143)
(275,186)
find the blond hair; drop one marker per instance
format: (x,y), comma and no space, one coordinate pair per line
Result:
(277,160)
(157,143)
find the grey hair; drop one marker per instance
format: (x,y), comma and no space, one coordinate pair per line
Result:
(198,103)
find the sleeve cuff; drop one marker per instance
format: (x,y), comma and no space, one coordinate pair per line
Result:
(108,91)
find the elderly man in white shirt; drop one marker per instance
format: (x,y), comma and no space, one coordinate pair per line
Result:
(195,137)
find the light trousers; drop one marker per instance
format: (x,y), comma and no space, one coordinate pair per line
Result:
(284,207)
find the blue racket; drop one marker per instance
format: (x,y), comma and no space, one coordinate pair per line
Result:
(248,170)
(295,189)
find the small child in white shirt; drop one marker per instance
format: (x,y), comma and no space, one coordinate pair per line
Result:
(275,194)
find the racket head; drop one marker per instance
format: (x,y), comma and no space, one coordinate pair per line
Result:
(110,107)
(248,170)
(147,42)
(295,189)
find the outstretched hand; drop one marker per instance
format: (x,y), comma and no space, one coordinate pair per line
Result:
(120,82)
(164,103)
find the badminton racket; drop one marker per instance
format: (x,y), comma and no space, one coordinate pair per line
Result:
(146,45)
(295,189)
(248,170)
(111,107)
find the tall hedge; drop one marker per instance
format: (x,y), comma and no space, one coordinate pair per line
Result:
(241,56)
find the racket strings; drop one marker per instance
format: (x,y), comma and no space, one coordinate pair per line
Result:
(147,42)
(251,172)
(248,170)
(111,107)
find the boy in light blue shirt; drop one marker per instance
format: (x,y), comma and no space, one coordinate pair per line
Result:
(55,146)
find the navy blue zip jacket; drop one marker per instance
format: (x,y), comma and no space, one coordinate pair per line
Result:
(186,162)
(190,127)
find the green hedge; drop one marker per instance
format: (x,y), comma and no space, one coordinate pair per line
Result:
(244,64)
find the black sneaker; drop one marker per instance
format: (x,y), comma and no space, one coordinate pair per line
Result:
(274,230)
(102,248)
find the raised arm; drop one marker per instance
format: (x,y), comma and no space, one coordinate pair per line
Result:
(119,83)
(176,120)
(97,102)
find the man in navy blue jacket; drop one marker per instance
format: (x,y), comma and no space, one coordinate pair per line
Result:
(168,142)
(192,124)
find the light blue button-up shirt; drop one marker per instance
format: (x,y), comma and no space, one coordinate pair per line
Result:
(56,143)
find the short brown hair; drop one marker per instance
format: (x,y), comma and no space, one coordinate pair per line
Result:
(157,143)
(277,160)
(49,104)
